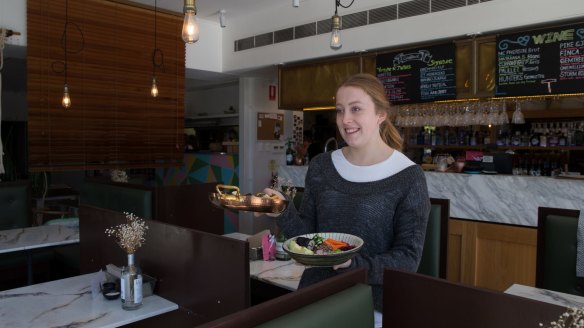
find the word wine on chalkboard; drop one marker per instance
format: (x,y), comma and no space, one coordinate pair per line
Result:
(541,62)
(418,75)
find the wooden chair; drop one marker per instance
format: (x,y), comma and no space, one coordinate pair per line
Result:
(434,256)
(556,251)
(416,300)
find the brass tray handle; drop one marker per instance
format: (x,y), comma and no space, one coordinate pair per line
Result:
(221,187)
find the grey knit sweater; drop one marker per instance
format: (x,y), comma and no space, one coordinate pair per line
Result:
(390,215)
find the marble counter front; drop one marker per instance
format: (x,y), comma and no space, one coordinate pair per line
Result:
(506,199)
(293,174)
(503,198)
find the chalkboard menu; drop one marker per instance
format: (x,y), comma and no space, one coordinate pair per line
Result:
(541,62)
(418,75)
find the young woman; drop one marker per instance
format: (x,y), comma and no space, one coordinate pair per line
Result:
(367,188)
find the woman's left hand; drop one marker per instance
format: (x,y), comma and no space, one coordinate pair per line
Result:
(342,265)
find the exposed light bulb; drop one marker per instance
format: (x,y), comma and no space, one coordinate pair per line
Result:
(295,3)
(336,32)
(222,18)
(154,90)
(190,30)
(66,101)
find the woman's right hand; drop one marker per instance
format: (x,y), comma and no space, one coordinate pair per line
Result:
(271,192)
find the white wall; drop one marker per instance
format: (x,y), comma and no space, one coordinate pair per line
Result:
(13,17)
(254,173)
(206,53)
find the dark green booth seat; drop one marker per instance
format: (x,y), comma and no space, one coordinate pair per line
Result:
(344,301)
(433,262)
(556,251)
(349,308)
(119,197)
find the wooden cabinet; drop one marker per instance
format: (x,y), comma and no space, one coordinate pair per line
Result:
(475,67)
(491,255)
(315,84)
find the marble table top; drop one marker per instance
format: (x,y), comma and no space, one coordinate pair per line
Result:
(548,296)
(284,274)
(69,303)
(37,237)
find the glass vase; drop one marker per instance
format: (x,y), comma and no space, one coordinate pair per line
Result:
(131,285)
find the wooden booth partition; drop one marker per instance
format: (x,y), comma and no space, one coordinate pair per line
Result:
(415,300)
(189,206)
(205,274)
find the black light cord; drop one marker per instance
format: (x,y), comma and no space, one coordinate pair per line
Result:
(156,52)
(340,4)
(64,44)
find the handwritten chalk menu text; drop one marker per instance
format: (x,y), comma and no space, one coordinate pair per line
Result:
(541,62)
(418,75)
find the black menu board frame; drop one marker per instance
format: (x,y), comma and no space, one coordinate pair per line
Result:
(547,61)
(418,75)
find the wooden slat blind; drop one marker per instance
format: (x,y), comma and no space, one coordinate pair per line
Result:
(113,121)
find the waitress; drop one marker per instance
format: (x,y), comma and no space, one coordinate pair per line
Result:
(368,188)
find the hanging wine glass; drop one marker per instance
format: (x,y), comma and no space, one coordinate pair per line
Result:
(467,119)
(503,117)
(493,115)
(518,117)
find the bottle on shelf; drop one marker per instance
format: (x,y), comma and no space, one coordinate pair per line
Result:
(535,136)
(289,154)
(516,140)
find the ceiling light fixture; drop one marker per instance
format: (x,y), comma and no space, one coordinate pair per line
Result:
(222,17)
(190,30)
(336,42)
(295,3)
(154,88)
(66,100)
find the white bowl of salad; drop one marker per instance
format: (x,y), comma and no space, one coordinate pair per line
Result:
(323,248)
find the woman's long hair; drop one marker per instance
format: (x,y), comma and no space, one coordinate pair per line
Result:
(374,88)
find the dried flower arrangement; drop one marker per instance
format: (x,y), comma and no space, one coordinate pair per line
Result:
(119,176)
(573,318)
(129,235)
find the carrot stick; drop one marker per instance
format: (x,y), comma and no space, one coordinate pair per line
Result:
(335,244)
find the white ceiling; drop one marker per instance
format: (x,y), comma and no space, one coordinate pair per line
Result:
(209,9)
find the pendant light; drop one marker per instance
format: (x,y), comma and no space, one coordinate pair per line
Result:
(336,42)
(66,100)
(190,30)
(154,88)
(336,32)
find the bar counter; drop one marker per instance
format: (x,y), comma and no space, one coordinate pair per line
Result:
(509,199)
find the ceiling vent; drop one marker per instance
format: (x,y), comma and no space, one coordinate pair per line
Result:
(378,15)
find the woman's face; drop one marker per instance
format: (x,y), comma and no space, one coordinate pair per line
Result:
(357,120)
